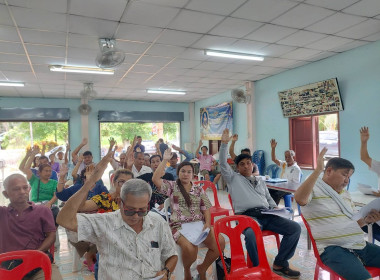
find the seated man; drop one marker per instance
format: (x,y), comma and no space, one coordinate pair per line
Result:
(328,209)
(249,197)
(133,243)
(207,164)
(289,170)
(235,137)
(138,168)
(172,168)
(25,226)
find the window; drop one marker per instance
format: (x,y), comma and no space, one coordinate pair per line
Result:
(310,134)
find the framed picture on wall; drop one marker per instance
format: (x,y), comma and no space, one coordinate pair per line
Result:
(214,119)
(316,98)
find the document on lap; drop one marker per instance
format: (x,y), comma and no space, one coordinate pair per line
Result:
(282,212)
(194,232)
(157,277)
(363,212)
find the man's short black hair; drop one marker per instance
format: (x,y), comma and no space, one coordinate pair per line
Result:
(174,155)
(204,147)
(245,150)
(154,156)
(240,157)
(137,153)
(44,157)
(339,163)
(138,137)
(87,153)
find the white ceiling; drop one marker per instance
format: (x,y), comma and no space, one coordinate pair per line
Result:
(164,42)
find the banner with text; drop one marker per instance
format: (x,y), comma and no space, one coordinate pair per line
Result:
(214,119)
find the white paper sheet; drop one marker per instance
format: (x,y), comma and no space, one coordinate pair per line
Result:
(157,277)
(374,204)
(366,189)
(276,180)
(194,232)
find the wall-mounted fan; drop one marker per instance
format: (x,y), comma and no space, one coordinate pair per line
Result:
(240,96)
(84,109)
(109,56)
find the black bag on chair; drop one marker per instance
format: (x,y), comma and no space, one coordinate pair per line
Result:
(219,267)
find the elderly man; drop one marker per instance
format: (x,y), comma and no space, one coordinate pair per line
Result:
(289,170)
(138,168)
(25,225)
(329,210)
(133,243)
(250,196)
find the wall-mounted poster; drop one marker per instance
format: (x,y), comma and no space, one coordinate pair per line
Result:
(214,120)
(317,98)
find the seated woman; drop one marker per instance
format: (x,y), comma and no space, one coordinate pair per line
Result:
(42,188)
(189,203)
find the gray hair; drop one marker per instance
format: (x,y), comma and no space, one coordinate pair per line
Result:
(10,178)
(136,187)
(291,152)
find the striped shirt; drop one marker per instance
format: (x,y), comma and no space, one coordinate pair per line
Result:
(329,225)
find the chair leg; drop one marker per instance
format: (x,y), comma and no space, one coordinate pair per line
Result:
(278,241)
(308,242)
(316,272)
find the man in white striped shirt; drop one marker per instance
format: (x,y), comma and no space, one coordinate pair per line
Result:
(328,209)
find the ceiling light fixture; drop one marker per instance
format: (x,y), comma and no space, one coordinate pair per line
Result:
(234,55)
(165,91)
(11,84)
(79,69)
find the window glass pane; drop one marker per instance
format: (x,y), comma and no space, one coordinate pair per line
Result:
(329,134)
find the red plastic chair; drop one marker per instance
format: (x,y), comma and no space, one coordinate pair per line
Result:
(215,210)
(264,232)
(31,259)
(239,266)
(374,271)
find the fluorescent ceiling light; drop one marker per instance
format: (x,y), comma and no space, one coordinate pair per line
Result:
(79,69)
(11,84)
(234,55)
(167,91)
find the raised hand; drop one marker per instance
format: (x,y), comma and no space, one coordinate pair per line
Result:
(80,158)
(273,143)
(364,134)
(167,154)
(226,136)
(130,159)
(84,141)
(112,142)
(321,160)
(200,142)
(35,150)
(235,137)
(98,170)
(67,147)
(63,170)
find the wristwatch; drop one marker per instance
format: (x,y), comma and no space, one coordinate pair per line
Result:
(168,273)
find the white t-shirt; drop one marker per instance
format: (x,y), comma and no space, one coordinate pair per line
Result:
(291,173)
(375,167)
(144,169)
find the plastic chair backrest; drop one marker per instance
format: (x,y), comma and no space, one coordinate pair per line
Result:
(166,208)
(315,250)
(259,158)
(225,226)
(208,184)
(273,171)
(31,259)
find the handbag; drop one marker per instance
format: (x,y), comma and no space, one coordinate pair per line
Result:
(219,267)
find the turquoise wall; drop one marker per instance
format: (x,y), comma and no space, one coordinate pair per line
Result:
(75,124)
(358,73)
(239,118)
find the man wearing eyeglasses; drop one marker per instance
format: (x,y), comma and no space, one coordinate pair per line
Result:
(133,243)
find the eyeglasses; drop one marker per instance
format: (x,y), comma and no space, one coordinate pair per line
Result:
(140,213)
(120,182)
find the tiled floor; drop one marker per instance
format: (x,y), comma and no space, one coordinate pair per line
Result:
(303,259)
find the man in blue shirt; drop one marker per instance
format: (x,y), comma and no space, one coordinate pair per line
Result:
(172,169)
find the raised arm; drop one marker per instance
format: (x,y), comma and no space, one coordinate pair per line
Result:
(303,192)
(21,167)
(43,148)
(67,154)
(26,168)
(74,154)
(62,178)
(235,137)
(273,145)
(158,151)
(67,217)
(74,173)
(199,146)
(160,171)
(226,169)
(364,137)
